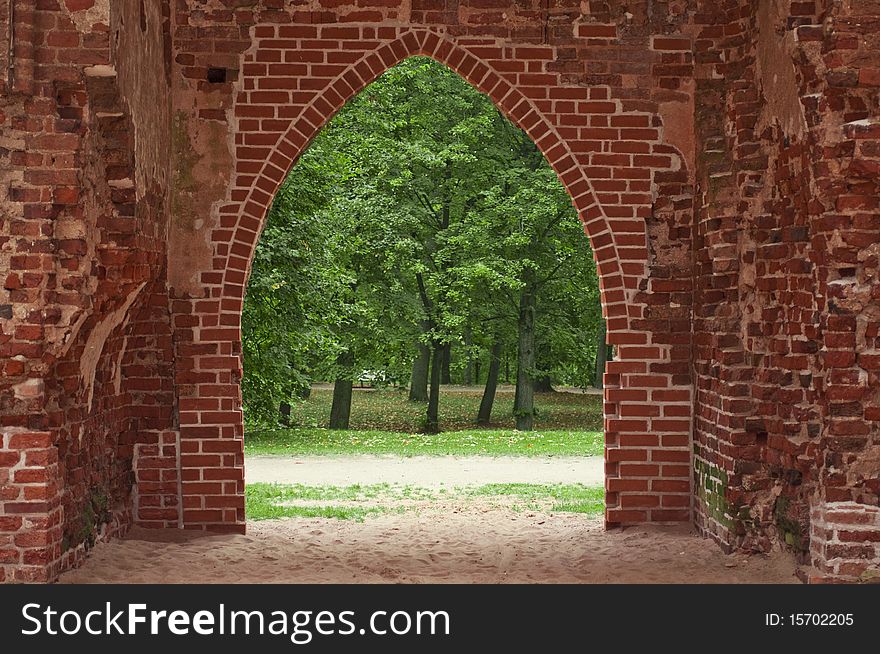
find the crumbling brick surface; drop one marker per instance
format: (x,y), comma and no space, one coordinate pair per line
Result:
(86,341)
(723,155)
(786,316)
(845,542)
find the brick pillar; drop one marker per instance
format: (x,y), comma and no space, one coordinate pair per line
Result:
(208,376)
(647,437)
(156,494)
(30,507)
(844,543)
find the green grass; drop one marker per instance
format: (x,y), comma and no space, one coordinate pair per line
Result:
(266,501)
(354,493)
(567,498)
(262,502)
(300,442)
(389,410)
(385,422)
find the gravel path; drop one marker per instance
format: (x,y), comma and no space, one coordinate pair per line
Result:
(426,471)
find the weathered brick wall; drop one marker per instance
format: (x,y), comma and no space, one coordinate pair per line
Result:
(86,333)
(786,302)
(845,54)
(723,155)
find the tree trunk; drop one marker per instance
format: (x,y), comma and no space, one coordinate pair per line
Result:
(340,412)
(469,367)
(485,414)
(544,384)
(418,387)
(601,354)
(432,424)
(445,376)
(525,364)
(477,369)
(515,398)
(284,410)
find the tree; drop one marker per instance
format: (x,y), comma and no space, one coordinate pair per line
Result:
(537,263)
(420,232)
(421,134)
(291,282)
(484,416)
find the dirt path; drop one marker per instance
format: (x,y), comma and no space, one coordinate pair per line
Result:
(465,543)
(427,471)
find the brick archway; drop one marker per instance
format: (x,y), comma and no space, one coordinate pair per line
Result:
(261,188)
(589,137)
(733,160)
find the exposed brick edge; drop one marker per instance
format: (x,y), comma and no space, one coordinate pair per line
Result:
(156,496)
(844,543)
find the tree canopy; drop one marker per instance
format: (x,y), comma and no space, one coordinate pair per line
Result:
(420,232)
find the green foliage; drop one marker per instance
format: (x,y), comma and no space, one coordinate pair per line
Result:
(291,291)
(417,214)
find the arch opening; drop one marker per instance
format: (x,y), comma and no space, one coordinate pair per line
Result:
(613,184)
(423,292)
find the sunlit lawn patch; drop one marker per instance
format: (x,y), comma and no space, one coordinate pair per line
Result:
(483,442)
(358,502)
(567,498)
(385,422)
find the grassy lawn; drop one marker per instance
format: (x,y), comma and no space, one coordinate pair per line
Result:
(385,422)
(564,498)
(491,442)
(267,501)
(390,410)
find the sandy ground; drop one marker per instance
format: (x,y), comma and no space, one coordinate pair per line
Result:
(464,543)
(427,471)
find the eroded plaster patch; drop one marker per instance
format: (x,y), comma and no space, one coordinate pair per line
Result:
(85,18)
(29,389)
(678,128)
(98,338)
(776,73)
(201,173)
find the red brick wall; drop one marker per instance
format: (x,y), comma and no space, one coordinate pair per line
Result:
(86,341)
(723,155)
(589,93)
(786,281)
(845,542)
